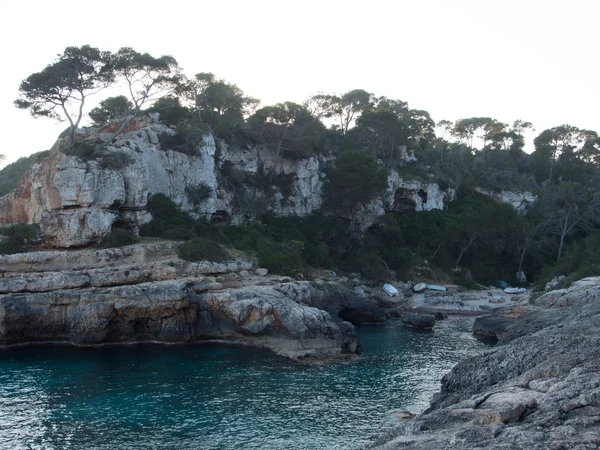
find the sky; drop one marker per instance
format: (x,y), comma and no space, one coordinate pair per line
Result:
(535,60)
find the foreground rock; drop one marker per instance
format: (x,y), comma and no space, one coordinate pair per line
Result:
(143,293)
(539,389)
(420,321)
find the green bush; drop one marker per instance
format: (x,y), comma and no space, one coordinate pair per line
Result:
(17,235)
(85,150)
(165,215)
(278,263)
(119,238)
(177,234)
(170,110)
(115,161)
(201,249)
(188,137)
(21,231)
(198,193)
(10,246)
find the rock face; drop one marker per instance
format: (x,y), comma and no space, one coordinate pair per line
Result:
(78,202)
(420,321)
(143,293)
(539,389)
(518,200)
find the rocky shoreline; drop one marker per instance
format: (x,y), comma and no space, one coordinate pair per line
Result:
(538,389)
(144,293)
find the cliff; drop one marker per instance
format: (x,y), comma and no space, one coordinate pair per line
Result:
(538,389)
(77,202)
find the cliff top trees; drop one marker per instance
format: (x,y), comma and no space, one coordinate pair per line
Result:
(288,128)
(147,78)
(356,180)
(215,99)
(60,90)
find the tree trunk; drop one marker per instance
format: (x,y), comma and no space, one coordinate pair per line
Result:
(277,157)
(472,239)
(560,246)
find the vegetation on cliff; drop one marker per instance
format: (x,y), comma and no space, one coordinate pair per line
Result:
(364,136)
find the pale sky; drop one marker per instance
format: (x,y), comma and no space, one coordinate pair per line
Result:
(535,60)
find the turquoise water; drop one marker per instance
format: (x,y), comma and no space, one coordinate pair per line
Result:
(214,397)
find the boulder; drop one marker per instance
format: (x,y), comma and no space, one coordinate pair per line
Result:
(538,389)
(417,320)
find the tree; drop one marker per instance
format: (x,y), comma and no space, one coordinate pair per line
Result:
(288,128)
(420,126)
(110,109)
(216,99)
(349,106)
(61,89)
(320,105)
(590,151)
(566,207)
(147,78)
(381,132)
(356,180)
(554,142)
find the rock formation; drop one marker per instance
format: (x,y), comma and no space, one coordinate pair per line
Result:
(144,293)
(539,389)
(78,202)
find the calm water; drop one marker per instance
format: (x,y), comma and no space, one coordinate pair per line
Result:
(211,397)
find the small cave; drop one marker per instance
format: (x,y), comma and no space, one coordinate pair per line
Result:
(404,201)
(220,217)
(125,225)
(423,195)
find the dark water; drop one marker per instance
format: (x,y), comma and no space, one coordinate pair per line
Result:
(212,397)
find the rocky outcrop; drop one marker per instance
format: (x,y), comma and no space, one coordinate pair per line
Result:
(419,321)
(337,301)
(144,293)
(518,200)
(78,202)
(539,389)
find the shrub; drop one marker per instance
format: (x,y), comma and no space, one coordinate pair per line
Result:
(188,137)
(119,238)
(17,235)
(201,249)
(278,263)
(170,110)
(115,161)
(21,231)
(198,193)
(84,150)
(177,234)
(165,215)
(110,109)
(10,246)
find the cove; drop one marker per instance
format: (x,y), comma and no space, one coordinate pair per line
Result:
(218,397)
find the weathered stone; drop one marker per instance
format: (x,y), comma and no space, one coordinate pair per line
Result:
(421,321)
(144,293)
(539,389)
(78,202)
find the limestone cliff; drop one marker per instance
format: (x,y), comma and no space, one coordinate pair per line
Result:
(78,202)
